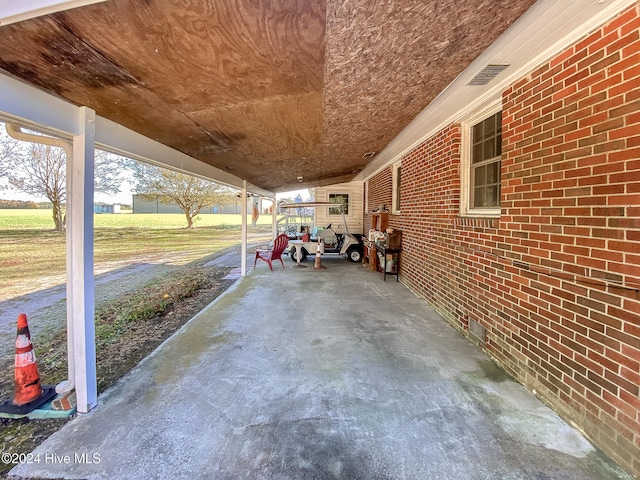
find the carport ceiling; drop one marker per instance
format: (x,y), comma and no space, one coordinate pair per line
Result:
(267,90)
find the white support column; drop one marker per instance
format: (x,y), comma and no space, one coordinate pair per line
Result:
(80,252)
(274,218)
(243,267)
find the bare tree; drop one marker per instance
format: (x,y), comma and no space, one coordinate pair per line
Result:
(190,193)
(9,149)
(41,171)
(110,171)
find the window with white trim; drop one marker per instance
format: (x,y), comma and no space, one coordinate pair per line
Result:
(396,181)
(339,198)
(481,163)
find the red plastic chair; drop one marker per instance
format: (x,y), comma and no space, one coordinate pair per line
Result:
(279,245)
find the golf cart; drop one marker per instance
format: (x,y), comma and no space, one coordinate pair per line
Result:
(331,242)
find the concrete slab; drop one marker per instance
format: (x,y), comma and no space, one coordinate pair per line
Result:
(298,373)
(232,259)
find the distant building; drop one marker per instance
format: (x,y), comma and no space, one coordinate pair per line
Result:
(144,206)
(106,208)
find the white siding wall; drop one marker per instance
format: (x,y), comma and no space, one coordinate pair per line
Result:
(354,218)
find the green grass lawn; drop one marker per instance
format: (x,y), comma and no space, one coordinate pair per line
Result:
(30,249)
(42,220)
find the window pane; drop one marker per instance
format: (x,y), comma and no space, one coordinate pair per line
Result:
(491,197)
(479,176)
(489,128)
(489,149)
(339,198)
(477,132)
(478,197)
(477,153)
(493,172)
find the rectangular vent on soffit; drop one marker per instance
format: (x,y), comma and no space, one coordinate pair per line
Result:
(487,74)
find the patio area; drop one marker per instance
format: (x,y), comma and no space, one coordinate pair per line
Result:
(298,373)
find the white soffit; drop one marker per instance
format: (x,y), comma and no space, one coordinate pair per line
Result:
(34,108)
(546,29)
(13,11)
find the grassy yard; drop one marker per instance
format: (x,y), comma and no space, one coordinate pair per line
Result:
(30,250)
(138,315)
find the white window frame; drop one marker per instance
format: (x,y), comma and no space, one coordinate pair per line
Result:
(396,176)
(466,210)
(348,212)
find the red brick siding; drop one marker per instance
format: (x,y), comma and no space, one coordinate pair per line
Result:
(379,194)
(556,280)
(429,205)
(571,206)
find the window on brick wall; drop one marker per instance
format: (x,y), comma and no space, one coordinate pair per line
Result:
(395,201)
(481,160)
(339,198)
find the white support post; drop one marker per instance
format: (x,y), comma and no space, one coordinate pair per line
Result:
(80,252)
(274,219)
(243,268)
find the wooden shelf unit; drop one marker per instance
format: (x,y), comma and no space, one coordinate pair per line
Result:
(369,257)
(380,221)
(395,259)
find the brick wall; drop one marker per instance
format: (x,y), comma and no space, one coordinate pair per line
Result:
(556,279)
(379,193)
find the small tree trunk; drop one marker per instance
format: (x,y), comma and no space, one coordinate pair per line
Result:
(187,212)
(57,217)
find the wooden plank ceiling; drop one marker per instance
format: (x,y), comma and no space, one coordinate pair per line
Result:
(267,90)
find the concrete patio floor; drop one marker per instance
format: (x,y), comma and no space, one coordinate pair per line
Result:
(303,374)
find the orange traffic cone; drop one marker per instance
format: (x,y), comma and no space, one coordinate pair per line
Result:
(28,386)
(318,263)
(29,393)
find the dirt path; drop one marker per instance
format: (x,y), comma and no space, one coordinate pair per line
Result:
(45,302)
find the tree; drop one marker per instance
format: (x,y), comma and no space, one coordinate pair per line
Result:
(9,148)
(190,193)
(41,171)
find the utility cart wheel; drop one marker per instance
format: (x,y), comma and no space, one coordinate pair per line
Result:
(354,255)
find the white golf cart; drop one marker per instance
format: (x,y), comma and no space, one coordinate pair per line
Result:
(344,244)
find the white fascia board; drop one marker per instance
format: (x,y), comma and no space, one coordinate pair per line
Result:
(542,32)
(31,107)
(13,11)
(34,108)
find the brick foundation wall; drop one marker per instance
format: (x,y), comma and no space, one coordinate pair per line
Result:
(556,279)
